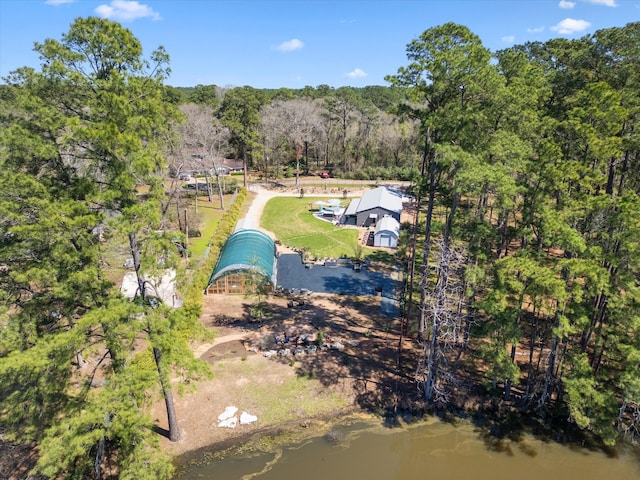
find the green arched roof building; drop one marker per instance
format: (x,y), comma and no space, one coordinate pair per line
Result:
(245,253)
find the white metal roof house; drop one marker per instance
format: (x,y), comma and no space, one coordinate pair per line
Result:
(374,205)
(386,233)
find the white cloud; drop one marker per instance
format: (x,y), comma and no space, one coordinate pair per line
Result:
(607,3)
(508,39)
(124,10)
(290,45)
(58,2)
(566,4)
(535,30)
(570,25)
(357,73)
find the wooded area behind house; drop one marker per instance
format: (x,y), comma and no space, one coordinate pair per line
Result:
(523,263)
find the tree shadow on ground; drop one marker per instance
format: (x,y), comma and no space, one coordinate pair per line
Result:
(160,431)
(360,357)
(347,345)
(273,313)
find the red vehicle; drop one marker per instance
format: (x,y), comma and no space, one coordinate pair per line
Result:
(325,175)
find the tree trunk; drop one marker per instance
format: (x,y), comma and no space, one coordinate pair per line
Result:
(448,226)
(172,420)
(546,394)
(196,197)
(466,332)
(180,227)
(611,176)
(508,383)
(137,263)
(432,362)
(97,463)
(174,433)
(427,246)
(244,168)
(412,263)
(306,157)
(532,347)
(623,173)
(220,192)
(209,191)
(600,303)
(217,174)
(414,241)
(186,228)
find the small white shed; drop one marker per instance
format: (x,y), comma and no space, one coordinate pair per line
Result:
(386,232)
(163,288)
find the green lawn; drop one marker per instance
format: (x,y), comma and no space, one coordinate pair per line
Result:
(210,214)
(293,223)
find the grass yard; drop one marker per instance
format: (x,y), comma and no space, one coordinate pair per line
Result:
(292,396)
(292,221)
(209,214)
(117,249)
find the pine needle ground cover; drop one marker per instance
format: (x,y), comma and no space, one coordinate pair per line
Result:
(291,219)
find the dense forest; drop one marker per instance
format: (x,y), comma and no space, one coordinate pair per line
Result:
(524,256)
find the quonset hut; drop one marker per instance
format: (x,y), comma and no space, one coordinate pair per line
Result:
(247,264)
(386,233)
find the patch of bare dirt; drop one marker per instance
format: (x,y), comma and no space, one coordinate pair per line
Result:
(17,460)
(342,343)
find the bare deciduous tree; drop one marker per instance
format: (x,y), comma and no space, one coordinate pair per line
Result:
(435,373)
(396,139)
(289,126)
(204,141)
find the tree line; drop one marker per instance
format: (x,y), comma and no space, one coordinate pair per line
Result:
(523,256)
(83,147)
(350,132)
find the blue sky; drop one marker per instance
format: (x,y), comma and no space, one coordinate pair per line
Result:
(294,43)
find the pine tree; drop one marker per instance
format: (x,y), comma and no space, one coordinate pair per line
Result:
(82,167)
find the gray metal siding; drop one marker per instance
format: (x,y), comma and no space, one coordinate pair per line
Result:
(381,212)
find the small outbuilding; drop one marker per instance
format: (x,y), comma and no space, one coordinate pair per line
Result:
(386,233)
(247,264)
(374,205)
(162,287)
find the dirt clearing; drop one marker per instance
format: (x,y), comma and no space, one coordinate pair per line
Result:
(310,356)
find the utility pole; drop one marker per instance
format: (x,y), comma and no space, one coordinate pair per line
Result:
(196,179)
(186,227)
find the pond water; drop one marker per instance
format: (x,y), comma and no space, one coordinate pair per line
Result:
(430,450)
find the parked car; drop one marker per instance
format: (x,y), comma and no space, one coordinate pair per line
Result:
(202,187)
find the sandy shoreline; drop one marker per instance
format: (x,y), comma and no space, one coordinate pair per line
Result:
(269,438)
(284,390)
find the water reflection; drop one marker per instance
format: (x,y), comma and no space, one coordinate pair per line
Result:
(432,450)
